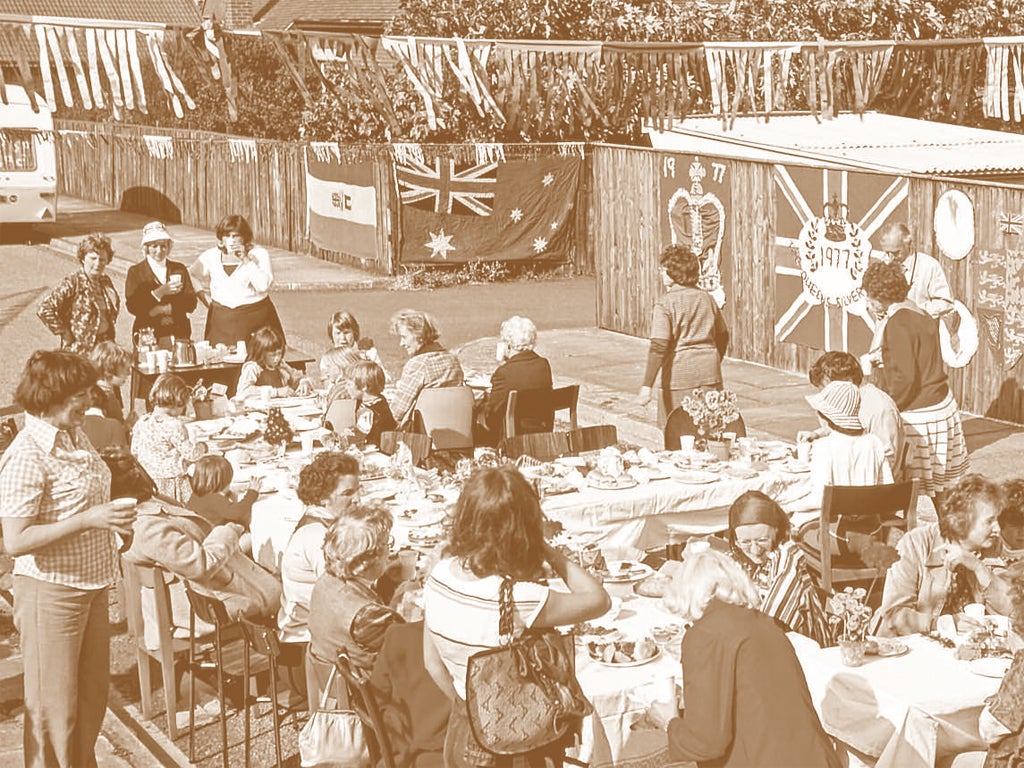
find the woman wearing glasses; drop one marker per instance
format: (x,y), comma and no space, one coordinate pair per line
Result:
(759,541)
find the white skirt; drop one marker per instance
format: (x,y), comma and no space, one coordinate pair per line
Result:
(935,445)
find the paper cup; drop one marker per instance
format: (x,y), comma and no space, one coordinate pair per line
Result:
(408,558)
(266,392)
(306,438)
(163,360)
(174,280)
(865,364)
(686,442)
(240,348)
(151,359)
(124,503)
(975,611)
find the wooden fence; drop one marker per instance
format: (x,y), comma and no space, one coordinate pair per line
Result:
(625,241)
(208,176)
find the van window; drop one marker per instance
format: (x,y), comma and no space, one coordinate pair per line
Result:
(17,151)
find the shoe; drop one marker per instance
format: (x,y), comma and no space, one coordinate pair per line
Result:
(205,714)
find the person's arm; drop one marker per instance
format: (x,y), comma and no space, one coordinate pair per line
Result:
(260,273)
(188,450)
(587,598)
(54,310)
(247,380)
(497,399)
(661,347)
(201,278)
(406,391)
(939,301)
(185,300)
(898,612)
(435,666)
(23,536)
(705,729)
(721,334)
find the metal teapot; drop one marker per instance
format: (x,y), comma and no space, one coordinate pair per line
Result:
(183,352)
(145,341)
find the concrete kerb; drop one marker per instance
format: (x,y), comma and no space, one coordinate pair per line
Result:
(147,745)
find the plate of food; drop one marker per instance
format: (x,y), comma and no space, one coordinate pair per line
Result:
(427,536)
(588,631)
(553,486)
(598,479)
(741,471)
(654,585)
(794,467)
(417,517)
(885,646)
(990,666)
(624,571)
(696,477)
(623,653)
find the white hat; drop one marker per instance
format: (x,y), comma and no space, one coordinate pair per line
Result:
(154,232)
(839,402)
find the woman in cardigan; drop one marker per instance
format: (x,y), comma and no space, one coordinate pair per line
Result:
(159,291)
(83,309)
(913,375)
(688,335)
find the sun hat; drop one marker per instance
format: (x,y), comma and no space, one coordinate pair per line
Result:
(839,402)
(154,232)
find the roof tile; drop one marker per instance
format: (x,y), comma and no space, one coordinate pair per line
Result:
(281,14)
(173,12)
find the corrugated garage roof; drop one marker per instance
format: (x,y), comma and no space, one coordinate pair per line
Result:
(885,141)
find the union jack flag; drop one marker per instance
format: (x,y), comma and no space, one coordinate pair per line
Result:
(1011,224)
(444,189)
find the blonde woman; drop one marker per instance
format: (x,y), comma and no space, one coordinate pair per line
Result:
(747,699)
(429,364)
(345,612)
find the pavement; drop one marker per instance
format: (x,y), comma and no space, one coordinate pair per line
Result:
(607,365)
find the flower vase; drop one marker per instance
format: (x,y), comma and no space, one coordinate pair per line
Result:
(720,449)
(852,652)
(203,409)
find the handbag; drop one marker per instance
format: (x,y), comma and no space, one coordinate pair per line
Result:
(333,736)
(523,695)
(128,478)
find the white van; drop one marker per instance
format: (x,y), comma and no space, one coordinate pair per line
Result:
(28,160)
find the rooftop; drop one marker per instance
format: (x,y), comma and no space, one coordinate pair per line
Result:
(171,12)
(881,142)
(287,14)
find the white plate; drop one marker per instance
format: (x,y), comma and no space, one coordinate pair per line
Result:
(990,666)
(419,518)
(793,467)
(622,483)
(696,477)
(625,664)
(617,576)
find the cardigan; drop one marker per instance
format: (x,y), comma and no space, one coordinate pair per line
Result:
(523,370)
(746,695)
(912,370)
(74,311)
(688,340)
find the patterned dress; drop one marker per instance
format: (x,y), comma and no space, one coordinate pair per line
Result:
(161,444)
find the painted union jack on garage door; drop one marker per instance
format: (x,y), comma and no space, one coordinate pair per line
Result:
(824,222)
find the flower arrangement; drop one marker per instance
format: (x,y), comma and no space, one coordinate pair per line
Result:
(201,393)
(712,410)
(848,614)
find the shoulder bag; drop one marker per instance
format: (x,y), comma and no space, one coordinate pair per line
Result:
(333,736)
(523,695)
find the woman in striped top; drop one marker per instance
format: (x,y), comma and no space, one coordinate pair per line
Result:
(496,533)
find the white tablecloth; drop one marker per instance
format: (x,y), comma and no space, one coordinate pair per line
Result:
(906,710)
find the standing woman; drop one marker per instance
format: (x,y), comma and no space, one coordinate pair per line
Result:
(237,276)
(159,291)
(688,334)
(83,309)
(912,374)
(59,525)
(496,536)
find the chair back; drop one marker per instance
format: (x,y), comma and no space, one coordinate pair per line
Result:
(680,423)
(208,609)
(849,509)
(533,410)
(593,438)
(363,700)
(136,577)
(341,414)
(261,638)
(543,446)
(418,444)
(447,416)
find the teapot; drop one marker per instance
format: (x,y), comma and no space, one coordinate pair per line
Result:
(183,352)
(145,341)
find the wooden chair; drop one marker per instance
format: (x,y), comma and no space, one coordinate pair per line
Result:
(341,414)
(363,701)
(419,444)
(543,446)
(169,651)
(593,438)
(262,640)
(446,414)
(679,423)
(229,660)
(864,510)
(540,405)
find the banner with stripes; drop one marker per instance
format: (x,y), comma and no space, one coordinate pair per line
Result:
(824,223)
(341,204)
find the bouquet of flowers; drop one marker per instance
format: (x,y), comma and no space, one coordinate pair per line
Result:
(711,410)
(848,614)
(201,393)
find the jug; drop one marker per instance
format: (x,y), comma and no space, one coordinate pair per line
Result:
(183,352)
(145,341)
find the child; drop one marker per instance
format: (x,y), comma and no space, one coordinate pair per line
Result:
(115,366)
(373,415)
(210,479)
(160,441)
(104,432)
(265,366)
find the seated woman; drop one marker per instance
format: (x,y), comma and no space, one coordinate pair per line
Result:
(521,368)
(746,697)
(328,486)
(759,541)
(345,613)
(940,569)
(343,331)
(429,364)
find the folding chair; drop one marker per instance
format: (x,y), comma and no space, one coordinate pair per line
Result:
(363,701)
(593,438)
(446,414)
(261,639)
(539,406)
(860,510)
(341,414)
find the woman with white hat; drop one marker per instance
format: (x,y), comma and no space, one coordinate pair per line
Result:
(159,291)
